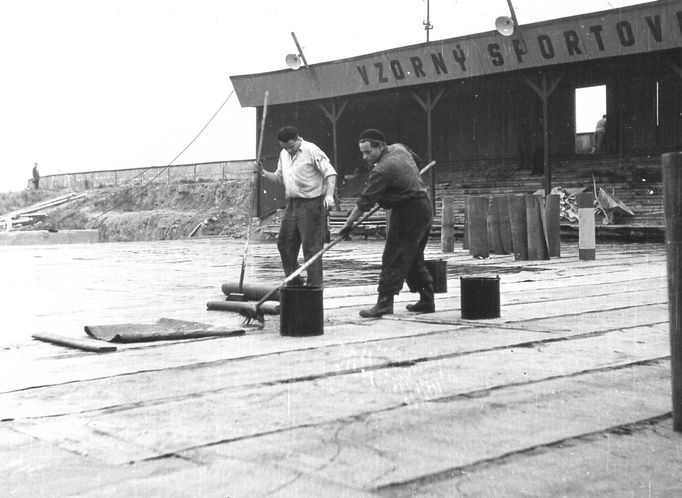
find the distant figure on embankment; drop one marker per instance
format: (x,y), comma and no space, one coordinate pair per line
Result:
(36,177)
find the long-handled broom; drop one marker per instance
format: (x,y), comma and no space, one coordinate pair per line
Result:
(252,312)
(240,296)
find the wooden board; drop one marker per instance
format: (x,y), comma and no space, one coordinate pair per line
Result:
(84,344)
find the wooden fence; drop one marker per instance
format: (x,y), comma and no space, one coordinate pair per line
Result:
(182,173)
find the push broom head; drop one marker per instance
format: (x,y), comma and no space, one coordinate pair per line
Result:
(250,312)
(252,315)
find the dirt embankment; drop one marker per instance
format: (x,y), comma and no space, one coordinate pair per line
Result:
(152,212)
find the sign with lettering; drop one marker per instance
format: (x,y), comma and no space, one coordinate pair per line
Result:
(619,32)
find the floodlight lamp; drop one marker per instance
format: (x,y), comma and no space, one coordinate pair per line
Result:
(504,25)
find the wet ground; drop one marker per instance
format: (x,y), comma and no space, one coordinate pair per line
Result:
(566,393)
(49,288)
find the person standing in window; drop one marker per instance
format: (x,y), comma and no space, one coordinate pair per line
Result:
(599,134)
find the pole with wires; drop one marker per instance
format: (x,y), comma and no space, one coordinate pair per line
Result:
(427,24)
(165,168)
(240,295)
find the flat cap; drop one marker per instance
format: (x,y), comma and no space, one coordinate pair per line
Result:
(372,134)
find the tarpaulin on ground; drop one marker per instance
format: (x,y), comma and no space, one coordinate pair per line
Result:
(163,329)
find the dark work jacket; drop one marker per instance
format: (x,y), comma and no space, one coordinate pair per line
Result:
(393,181)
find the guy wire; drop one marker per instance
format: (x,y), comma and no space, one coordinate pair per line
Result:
(169,164)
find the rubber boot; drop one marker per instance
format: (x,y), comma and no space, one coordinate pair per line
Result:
(384,306)
(426,302)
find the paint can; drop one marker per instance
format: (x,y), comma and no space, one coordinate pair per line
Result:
(301,311)
(438,268)
(480,297)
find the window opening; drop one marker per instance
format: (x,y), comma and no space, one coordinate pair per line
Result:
(590,107)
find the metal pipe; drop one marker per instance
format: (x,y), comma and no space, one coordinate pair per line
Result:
(427,24)
(300,50)
(513,14)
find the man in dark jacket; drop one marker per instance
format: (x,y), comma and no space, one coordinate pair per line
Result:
(395,183)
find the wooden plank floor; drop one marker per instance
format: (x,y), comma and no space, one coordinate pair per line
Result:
(566,394)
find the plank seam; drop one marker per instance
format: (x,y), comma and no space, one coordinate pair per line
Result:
(454,472)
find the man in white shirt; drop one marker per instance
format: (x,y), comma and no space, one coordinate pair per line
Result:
(309,179)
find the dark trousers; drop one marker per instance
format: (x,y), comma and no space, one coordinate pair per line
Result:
(403,258)
(303,225)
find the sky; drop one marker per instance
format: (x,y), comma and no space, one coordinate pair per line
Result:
(109,84)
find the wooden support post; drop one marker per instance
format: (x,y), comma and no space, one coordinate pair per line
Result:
(333,114)
(447,226)
(519,228)
(544,91)
(428,105)
(586,229)
(553,229)
(545,137)
(672,203)
(478,227)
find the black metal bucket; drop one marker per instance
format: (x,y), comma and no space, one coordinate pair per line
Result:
(301,311)
(438,268)
(480,297)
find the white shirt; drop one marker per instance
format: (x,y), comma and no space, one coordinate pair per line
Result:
(304,174)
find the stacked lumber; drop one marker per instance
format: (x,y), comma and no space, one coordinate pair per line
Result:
(34,213)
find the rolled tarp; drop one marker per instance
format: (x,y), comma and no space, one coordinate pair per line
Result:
(537,242)
(519,229)
(478,227)
(502,224)
(267,308)
(494,242)
(465,228)
(553,229)
(252,292)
